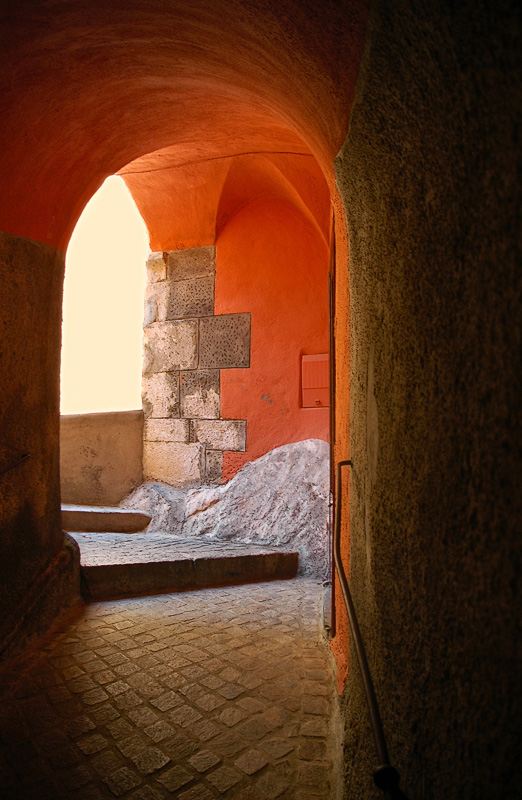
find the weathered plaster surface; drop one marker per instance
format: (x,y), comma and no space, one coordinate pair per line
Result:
(272,262)
(430,178)
(100,456)
(32,548)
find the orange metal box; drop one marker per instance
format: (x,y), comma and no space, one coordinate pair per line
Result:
(315,392)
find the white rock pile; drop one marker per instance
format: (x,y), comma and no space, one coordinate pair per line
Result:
(278,499)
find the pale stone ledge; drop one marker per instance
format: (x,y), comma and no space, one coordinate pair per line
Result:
(166,430)
(160,394)
(200,394)
(170,346)
(221,434)
(193,263)
(156,267)
(174,463)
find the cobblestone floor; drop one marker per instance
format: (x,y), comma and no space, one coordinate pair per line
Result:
(223,693)
(130,548)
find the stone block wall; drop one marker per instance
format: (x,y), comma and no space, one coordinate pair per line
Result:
(101,456)
(185,347)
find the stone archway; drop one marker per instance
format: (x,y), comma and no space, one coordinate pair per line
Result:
(225,75)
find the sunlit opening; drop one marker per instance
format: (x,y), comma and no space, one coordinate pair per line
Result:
(103,305)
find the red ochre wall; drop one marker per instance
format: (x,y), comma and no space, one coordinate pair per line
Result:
(273,263)
(211,80)
(269,215)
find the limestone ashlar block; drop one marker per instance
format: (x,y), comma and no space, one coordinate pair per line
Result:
(174,463)
(156,302)
(170,346)
(156,267)
(191,298)
(166,430)
(224,341)
(214,466)
(221,434)
(160,395)
(192,263)
(200,394)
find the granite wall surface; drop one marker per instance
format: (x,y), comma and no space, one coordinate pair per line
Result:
(430,175)
(185,347)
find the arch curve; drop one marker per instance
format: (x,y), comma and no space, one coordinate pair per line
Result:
(92,87)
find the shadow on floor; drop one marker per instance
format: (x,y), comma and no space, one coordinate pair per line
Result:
(217,693)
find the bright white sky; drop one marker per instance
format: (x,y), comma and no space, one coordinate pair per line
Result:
(103,305)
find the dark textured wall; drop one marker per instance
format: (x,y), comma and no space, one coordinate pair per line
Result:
(33,554)
(430,174)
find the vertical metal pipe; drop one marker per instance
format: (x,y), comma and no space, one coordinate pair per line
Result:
(385,776)
(331,322)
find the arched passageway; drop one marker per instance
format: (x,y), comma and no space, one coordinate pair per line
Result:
(266,220)
(429,176)
(108,96)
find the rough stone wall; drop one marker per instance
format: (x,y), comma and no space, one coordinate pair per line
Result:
(39,571)
(430,175)
(185,347)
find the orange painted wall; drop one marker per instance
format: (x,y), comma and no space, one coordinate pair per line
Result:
(90,86)
(341,444)
(96,86)
(273,263)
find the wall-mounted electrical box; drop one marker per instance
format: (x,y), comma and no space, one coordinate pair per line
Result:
(315,375)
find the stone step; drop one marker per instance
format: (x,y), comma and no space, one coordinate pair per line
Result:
(93,519)
(116,565)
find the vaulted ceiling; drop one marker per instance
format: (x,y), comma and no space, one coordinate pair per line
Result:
(91,86)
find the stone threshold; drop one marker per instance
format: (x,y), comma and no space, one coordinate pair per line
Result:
(103,518)
(117,565)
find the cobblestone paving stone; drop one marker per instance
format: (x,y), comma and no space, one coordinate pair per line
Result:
(220,693)
(129,548)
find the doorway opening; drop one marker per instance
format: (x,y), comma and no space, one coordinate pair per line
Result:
(103,305)
(236,314)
